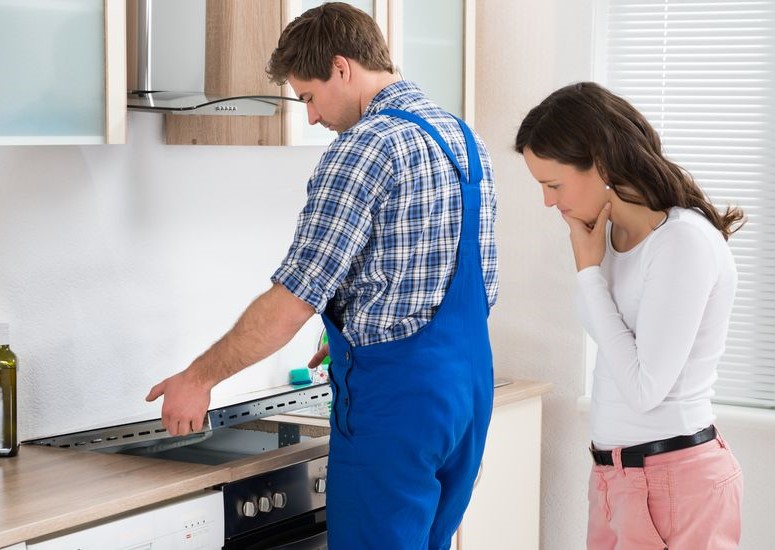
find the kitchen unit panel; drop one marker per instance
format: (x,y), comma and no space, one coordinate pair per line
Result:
(504,510)
(64,72)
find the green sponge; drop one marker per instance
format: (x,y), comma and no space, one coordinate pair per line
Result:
(299,377)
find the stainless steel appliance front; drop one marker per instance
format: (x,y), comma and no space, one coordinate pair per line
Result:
(282,509)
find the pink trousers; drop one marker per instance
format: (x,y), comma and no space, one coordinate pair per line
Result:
(682,500)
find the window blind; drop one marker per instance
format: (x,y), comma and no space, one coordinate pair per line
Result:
(703,73)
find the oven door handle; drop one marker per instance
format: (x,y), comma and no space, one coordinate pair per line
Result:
(318,541)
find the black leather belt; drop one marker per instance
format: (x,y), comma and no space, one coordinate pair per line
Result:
(632,457)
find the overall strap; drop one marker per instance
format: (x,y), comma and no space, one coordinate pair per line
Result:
(469,193)
(474,162)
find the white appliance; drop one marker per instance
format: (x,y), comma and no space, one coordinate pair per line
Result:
(192,523)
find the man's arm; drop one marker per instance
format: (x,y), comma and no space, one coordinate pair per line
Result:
(268,323)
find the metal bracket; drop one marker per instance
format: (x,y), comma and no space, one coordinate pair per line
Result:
(134,434)
(288,434)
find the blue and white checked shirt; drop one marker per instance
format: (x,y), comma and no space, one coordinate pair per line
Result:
(380,229)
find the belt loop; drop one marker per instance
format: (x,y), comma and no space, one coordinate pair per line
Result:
(616,455)
(721,440)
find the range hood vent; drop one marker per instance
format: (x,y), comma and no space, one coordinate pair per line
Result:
(199,103)
(170,64)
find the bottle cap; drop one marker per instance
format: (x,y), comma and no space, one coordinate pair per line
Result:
(4,334)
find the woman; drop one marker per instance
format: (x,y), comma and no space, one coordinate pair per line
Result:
(656,282)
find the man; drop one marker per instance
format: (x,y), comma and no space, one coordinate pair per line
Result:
(404,281)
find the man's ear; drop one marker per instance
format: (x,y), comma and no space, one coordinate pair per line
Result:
(341,67)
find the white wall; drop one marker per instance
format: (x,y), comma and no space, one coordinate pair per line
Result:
(119,264)
(525,50)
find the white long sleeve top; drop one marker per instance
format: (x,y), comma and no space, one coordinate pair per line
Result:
(659,314)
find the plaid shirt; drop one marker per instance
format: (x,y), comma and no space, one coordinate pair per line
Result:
(379,233)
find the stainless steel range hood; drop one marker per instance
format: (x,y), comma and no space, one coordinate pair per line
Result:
(199,103)
(170,64)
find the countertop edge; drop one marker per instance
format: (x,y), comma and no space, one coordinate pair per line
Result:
(519,390)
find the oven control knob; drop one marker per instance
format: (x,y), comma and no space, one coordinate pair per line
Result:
(249,509)
(264,505)
(320,485)
(279,500)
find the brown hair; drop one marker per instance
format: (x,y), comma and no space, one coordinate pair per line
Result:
(585,124)
(308,44)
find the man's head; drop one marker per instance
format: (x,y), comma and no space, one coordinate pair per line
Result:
(308,45)
(335,59)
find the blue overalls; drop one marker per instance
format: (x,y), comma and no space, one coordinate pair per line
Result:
(409,417)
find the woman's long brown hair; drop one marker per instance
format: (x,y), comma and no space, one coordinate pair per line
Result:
(584,124)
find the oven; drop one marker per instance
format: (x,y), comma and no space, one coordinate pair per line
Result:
(282,508)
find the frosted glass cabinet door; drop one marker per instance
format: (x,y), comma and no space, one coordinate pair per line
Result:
(55,85)
(435,50)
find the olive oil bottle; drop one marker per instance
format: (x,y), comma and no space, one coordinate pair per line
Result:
(9,445)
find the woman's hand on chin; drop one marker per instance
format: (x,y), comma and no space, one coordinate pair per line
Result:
(588,242)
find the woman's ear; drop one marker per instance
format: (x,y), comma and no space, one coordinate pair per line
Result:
(602,173)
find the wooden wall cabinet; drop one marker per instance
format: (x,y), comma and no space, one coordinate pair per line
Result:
(240,37)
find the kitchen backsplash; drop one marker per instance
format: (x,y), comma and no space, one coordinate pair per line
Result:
(122,263)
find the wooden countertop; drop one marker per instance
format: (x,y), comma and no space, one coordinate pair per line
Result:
(46,489)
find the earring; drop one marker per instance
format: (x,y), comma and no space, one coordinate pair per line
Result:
(607,187)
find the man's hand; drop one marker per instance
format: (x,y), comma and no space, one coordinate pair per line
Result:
(267,324)
(318,357)
(185,403)
(588,242)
